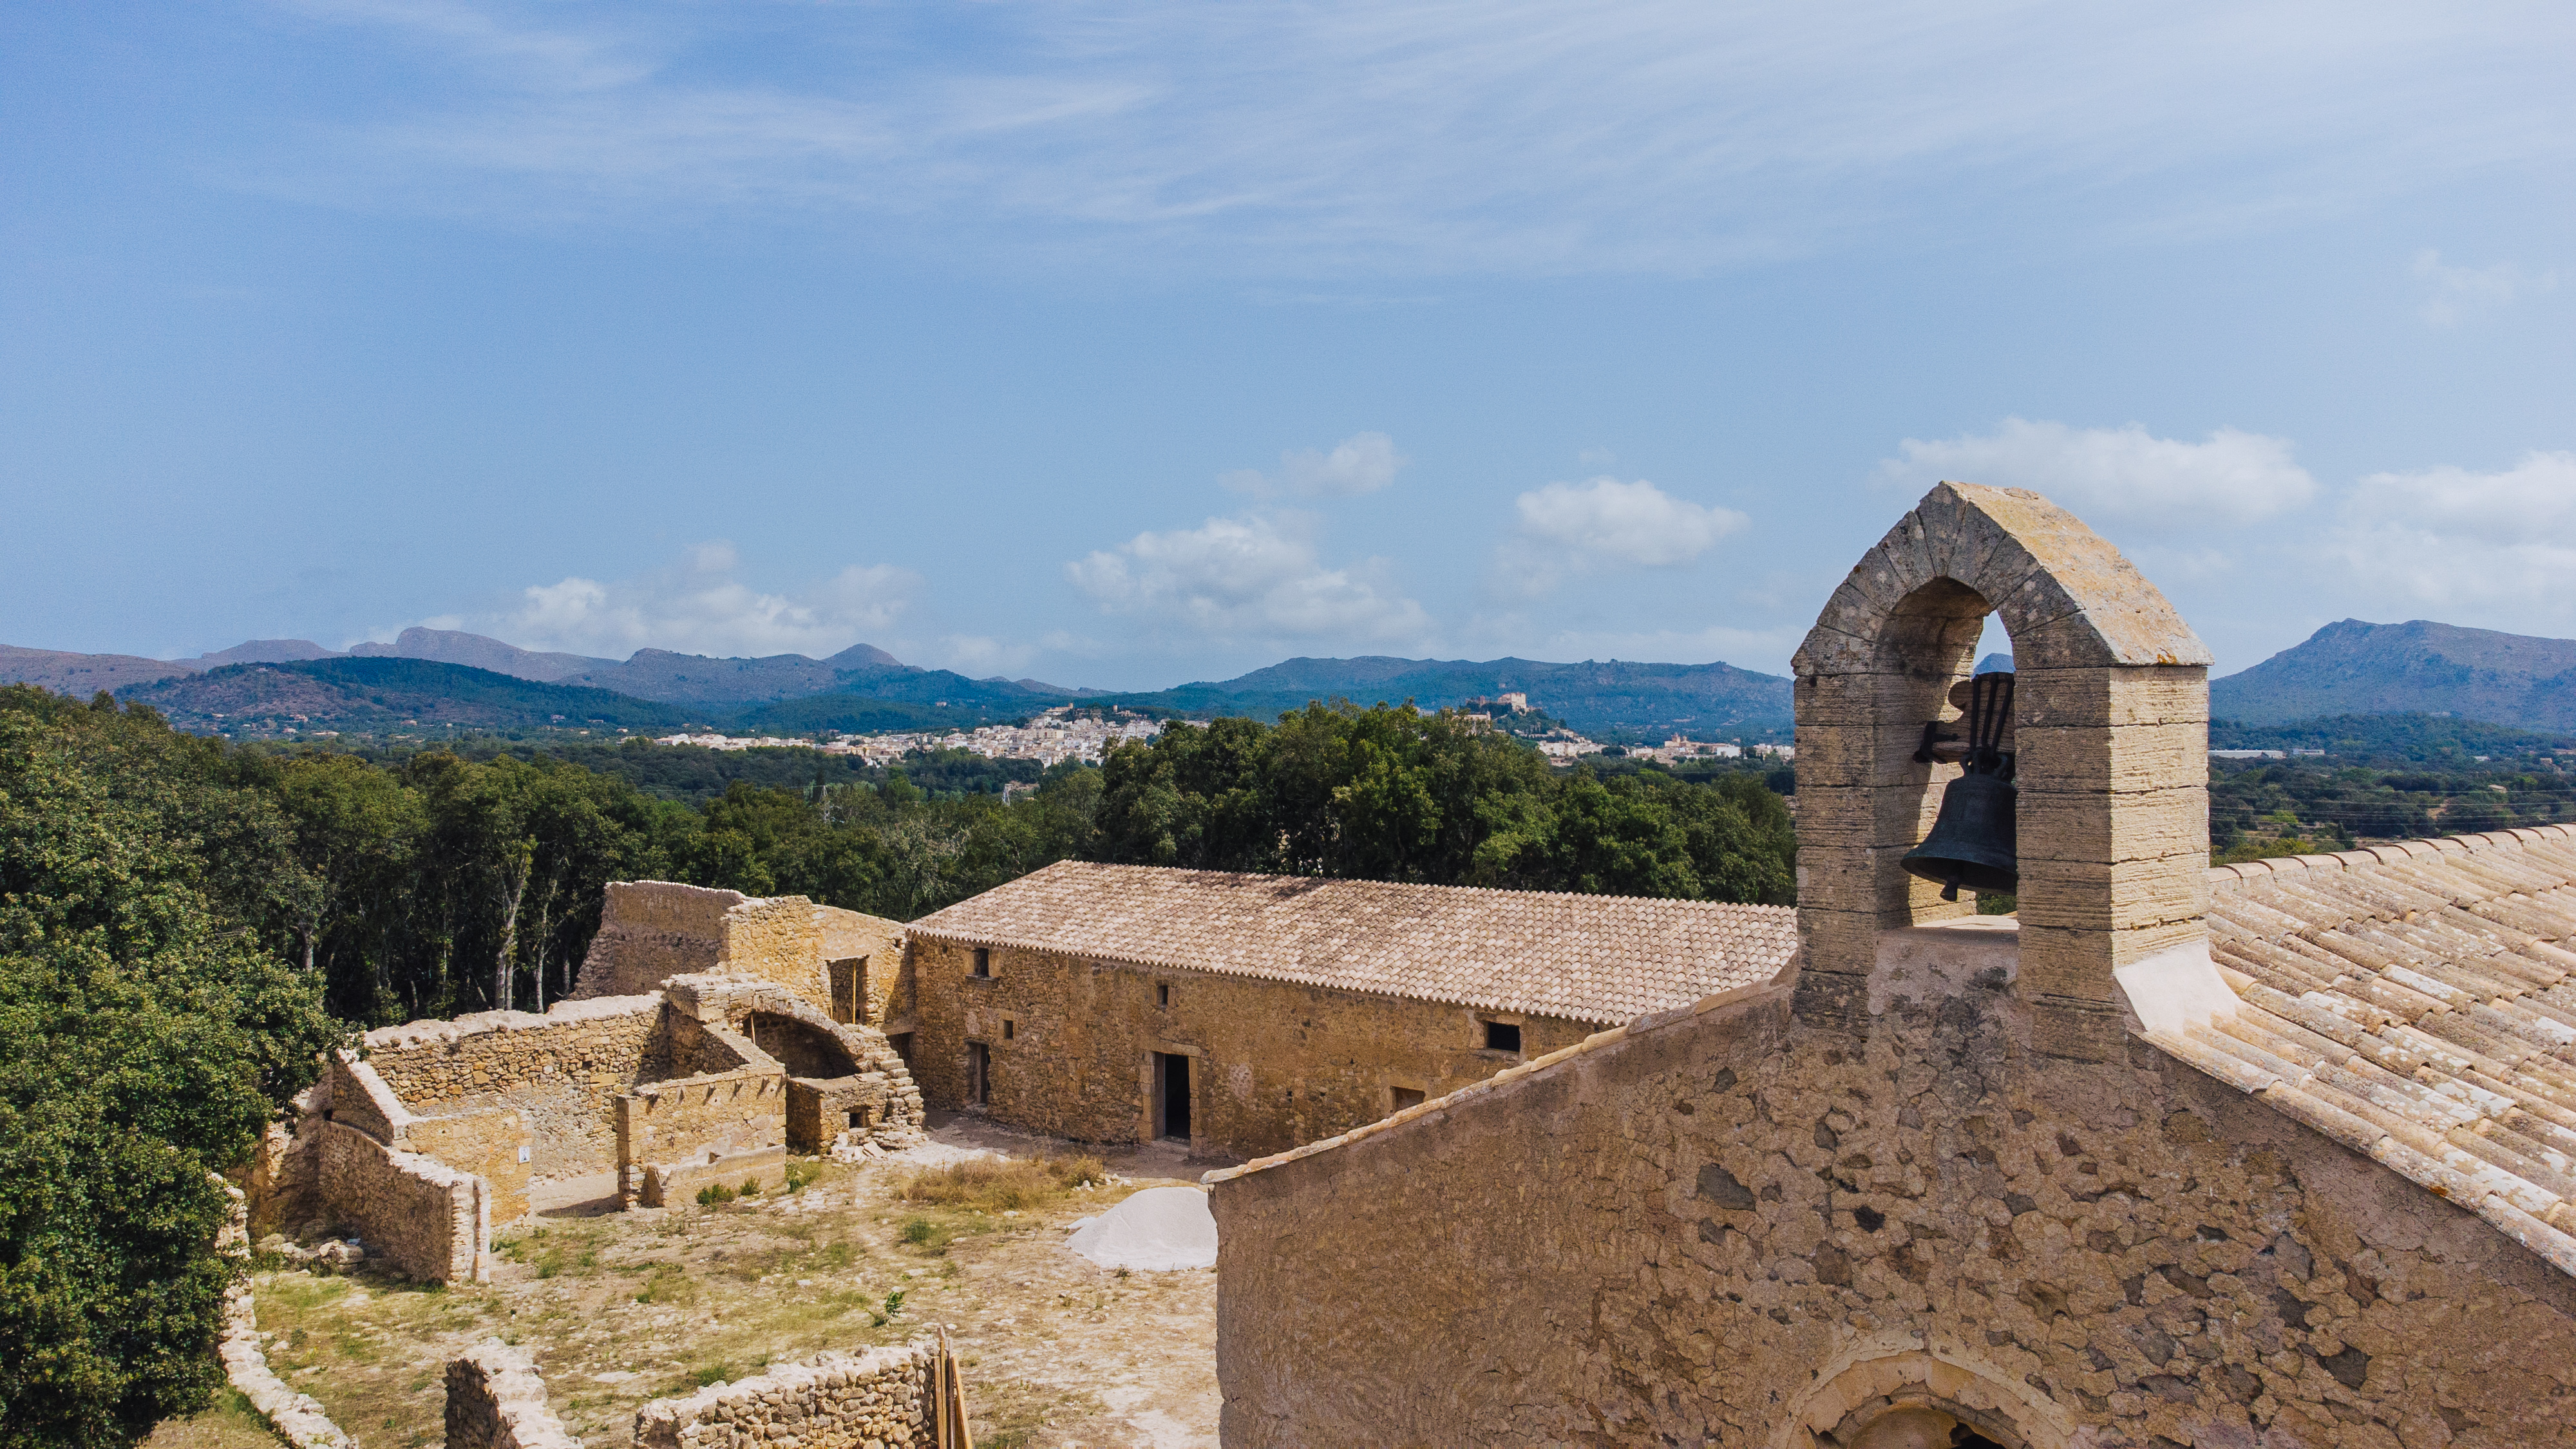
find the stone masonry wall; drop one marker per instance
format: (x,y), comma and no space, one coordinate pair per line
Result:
(1730,1227)
(744,1004)
(428,1220)
(562,1072)
(779,939)
(880,1398)
(495,1400)
(849,934)
(1273,1064)
(650,931)
(491,1143)
(673,1122)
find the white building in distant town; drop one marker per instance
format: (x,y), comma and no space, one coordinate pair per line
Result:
(1052,738)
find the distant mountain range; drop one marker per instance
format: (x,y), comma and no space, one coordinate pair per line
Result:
(453,680)
(2418,667)
(448,679)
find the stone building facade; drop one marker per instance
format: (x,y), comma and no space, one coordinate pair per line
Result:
(1246,1014)
(841,962)
(2179,1157)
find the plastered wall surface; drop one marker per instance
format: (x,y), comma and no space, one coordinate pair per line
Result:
(428,1220)
(1273,1064)
(835,1401)
(560,1072)
(1735,1228)
(671,1122)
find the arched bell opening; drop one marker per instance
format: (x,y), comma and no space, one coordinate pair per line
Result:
(1927,712)
(1919,1399)
(1925,1422)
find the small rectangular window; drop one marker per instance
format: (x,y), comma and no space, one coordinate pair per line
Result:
(1406,1097)
(1010,1029)
(1162,995)
(1502,1036)
(983,961)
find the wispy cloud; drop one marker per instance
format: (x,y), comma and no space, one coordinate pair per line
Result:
(1255,579)
(2453,293)
(1360,463)
(1662,135)
(2120,475)
(698,606)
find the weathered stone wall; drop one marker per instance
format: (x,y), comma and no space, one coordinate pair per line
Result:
(850,935)
(821,1110)
(651,931)
(1730,1227)
(761,1013)
(426,1219)
(779,939)
(882,1397)
(492,1143)
(495,1400)
(1272,1064)
(722,1114)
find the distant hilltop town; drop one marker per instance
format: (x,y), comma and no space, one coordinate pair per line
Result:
(1064,733)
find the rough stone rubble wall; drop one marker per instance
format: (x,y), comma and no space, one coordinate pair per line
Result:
(428,1220)
(651,931)
(1738,1226)
(779,939)
(561,1072)
(495,1400)
(881,1081)
(1273,1064)
(881,1397)
(850,934)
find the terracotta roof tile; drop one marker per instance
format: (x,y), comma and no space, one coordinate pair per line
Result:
(2417,1002)
(1596,959)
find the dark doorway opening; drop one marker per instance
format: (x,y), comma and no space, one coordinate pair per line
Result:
(1172,1095)
(979,1074)
(902,1043)
(849,989)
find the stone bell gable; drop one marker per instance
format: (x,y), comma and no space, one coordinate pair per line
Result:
(2111,716)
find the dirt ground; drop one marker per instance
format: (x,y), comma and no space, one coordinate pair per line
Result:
(623,1307)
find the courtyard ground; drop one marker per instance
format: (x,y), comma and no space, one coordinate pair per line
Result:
(623,1307)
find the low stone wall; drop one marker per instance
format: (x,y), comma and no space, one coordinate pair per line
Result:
(495,1400)
(742,1003)
(428,1220)
(675,1184)
(884,1398)
(492,1143)
(820,1110)
(561,1072)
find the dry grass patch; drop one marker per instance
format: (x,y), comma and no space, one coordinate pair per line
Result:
(996,1185)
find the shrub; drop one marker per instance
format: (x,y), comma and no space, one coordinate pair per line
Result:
(715,1194)
(751,1187)
(802,1175)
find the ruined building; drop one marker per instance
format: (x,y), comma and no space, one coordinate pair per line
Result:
(2270,1155)
(709,1035)
(1249,1013)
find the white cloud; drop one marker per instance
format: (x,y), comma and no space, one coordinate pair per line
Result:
(1660,135)
(1360,463)
(699,607)
(1573,528)
(2453,538)
(2457,292)
(2119,475)
(1251,579)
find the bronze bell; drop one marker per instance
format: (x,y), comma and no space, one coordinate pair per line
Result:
(1972,840)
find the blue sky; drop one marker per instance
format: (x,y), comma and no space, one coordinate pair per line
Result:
(1125,344)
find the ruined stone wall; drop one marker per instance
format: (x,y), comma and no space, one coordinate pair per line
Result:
(1272,1064)
(821,1109)
(562,1072)
(848,935)
(882,1397)
(650,931)
(492,1143)
(427,1220)
(495,1400)
(864,1066)
(1731,1227)
(673,1122)
(779,939)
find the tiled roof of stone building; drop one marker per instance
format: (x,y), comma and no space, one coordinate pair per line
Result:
(1599,959)
(2416,1002)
